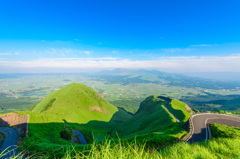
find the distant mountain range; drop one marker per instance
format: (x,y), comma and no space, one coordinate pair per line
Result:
(145,76)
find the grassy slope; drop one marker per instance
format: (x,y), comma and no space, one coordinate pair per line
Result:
(152,117)
(178,109)
(224,131)
(221,146)
(73,103)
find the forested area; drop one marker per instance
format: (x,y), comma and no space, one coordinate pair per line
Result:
(213,102)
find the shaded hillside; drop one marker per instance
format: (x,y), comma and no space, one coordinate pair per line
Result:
(152,116)
(180,109)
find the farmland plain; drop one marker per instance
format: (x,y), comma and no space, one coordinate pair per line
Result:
(123,88)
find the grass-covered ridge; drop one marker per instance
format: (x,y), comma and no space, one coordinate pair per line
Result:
(181,110)
(152,116)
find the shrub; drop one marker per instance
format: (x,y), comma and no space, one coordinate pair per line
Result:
(66,135)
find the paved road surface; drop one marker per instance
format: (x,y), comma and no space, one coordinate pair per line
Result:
(200,130)
(9,142)
(80,136)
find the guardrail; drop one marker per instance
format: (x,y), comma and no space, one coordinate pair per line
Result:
(191,128)
(189,135)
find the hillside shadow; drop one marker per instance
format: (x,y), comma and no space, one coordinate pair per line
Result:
(198,137)
(47,136)
(178,113)
(109,128)
(21,128)
(50,131)
(3,122)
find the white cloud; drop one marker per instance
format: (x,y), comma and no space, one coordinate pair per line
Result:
(17,53)
(168,64)
(201,45)
(84,59)
(63,51)
(5,54)
(87,52)
(173,50)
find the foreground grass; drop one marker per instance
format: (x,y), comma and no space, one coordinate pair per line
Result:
(213,149)
(224,144)
(217,148)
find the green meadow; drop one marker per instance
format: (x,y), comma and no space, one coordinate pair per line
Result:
(77,106)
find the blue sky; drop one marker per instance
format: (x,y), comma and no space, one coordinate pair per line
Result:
(172,36)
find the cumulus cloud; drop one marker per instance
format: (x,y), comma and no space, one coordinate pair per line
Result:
(169,64)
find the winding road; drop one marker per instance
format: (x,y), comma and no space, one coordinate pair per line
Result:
(80,136)
(201,132)
(10,142)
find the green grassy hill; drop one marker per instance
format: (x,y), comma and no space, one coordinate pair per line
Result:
(81,107)
(76,103)
(153,117)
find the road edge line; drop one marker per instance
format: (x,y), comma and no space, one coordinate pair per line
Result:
(206,130)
